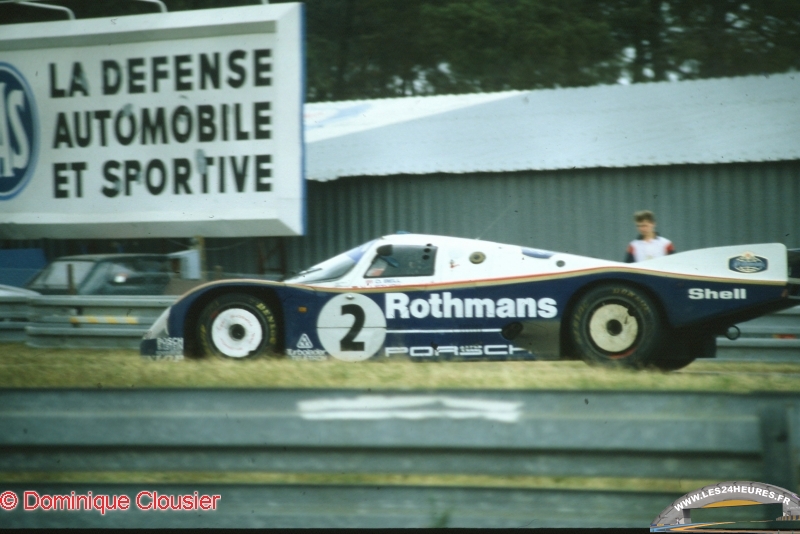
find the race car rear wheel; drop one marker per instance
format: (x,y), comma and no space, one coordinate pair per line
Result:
(237,326)
(616,325)
(674,363)
(683,347)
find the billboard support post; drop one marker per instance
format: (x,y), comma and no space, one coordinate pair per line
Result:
(199,244)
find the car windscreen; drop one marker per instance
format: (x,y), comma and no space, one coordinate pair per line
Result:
(123,276)
(55,276)
(404,260)
(332,269)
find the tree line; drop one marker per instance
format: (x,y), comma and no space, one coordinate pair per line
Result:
(387,48)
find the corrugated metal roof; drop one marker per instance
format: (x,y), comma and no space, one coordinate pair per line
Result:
(753,118)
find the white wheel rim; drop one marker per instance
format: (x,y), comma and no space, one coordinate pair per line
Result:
(612,328)
(236,332)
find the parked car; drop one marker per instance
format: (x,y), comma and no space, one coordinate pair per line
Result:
(105,274)
(431,297)
(14,291)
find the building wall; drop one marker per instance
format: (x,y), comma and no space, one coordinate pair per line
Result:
(581,211)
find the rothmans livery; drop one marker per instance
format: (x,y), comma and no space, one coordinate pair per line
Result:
(443,298)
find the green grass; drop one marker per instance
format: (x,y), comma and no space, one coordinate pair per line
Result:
(26,367)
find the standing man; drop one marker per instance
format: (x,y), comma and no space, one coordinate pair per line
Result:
(649,244)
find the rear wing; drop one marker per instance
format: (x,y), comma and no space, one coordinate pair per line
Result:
(793,259)
(759,263)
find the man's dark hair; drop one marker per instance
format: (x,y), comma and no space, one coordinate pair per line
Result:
(644,215)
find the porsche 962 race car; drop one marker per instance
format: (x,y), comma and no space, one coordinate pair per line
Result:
(442,298)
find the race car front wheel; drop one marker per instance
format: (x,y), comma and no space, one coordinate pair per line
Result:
(616,325)
(238,326)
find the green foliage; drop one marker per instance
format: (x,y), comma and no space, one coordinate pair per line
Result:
(388,48)
(385,48)
(373,49)
(685,39)
(733,37)
(483,45)
(358,49)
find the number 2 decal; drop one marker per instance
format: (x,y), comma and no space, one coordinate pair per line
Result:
(348,343)
(351,327)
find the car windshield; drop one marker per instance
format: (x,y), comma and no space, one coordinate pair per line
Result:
(332,269)
(55,276)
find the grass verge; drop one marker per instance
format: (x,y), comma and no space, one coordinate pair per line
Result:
(25,367)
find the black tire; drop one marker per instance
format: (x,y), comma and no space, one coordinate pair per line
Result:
(237,326)
(616,325)
(684,348)
(674,363)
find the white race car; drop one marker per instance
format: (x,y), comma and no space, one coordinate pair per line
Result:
(444,298)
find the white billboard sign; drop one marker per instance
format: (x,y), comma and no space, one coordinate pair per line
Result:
(163,125)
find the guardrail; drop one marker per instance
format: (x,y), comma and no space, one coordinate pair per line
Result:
(772,338)
(92,321)
(260,451)
(15,315)
(119,322)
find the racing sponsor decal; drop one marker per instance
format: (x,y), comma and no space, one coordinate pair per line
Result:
(698,293)
(351,327)
(162,348)
(444,305)
(305,350)
(314,355)
(304,342)
(748,263)
(169,345)
(19,132)
(382,282)
(427,351)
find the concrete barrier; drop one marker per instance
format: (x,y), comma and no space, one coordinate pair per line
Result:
(344,458)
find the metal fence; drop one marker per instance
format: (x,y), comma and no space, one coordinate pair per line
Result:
(772,338)
(502,451)
(15,315)
(92,322)
(95,322)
